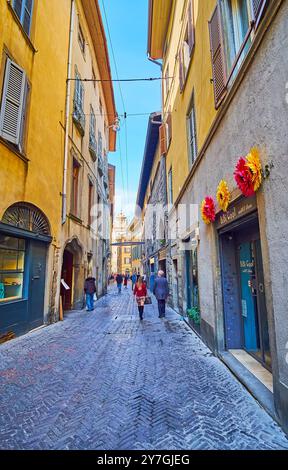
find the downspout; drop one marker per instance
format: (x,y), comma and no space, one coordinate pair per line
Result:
(155,62)
(67,114)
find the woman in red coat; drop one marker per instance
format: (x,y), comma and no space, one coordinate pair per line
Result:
(140,291)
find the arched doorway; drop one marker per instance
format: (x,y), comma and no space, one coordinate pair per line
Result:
(24,240)
(73,276)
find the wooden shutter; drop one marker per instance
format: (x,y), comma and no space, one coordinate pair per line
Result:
(163,140)
(191,26)
(257,10)
(169,129)
(218,57)
(181,69)
(12,102)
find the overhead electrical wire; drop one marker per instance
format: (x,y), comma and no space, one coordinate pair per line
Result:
(119,80)
(121,95)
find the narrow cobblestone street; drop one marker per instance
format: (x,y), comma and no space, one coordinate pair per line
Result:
(103,380)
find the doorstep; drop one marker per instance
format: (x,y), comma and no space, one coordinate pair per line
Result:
(262,393)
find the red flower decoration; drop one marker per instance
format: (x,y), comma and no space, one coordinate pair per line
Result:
(244,178)
(208,210)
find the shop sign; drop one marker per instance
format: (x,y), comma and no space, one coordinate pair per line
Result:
(240,209)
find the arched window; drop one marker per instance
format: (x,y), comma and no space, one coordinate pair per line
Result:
(27,217)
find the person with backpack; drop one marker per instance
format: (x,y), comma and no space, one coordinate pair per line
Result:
(90,291)
(119,281)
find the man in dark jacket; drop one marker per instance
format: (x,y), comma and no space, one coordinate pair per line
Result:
(90,290)
(119,280)
(161,292)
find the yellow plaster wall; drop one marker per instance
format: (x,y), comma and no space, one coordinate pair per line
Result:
(39,180)
(198,79)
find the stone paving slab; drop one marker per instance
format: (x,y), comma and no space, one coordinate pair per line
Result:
(104,380)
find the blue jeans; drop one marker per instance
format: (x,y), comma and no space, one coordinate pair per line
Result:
(90,302)
(119,288)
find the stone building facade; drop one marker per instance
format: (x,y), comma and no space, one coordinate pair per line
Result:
(231,272)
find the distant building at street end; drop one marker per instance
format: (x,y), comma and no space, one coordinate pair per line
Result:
(121,255)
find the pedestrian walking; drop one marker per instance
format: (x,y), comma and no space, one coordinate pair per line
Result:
(140,292)
(133,280)
(119,280)
(161,292)
(90,291)
(126,278)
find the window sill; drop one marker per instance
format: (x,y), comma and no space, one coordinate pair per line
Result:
(13,149)
(75,219)
(26,37)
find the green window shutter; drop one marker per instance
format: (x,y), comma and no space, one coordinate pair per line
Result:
(13,98)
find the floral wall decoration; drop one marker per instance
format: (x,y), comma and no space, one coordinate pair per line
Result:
(208,210)
(248,173)
(223,195)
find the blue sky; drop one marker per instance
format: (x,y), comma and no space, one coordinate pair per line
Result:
(128,23)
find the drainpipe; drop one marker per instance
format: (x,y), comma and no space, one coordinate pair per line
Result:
(155,62)
(67,113)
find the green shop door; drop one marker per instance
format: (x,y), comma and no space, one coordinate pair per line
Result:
(37,274)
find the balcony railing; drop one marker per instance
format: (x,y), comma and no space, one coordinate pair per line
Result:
(79,117)
(93,147)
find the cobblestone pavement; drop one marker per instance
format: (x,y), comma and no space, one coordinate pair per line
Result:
(103,380)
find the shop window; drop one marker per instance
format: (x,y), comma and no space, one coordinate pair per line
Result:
(12,260)
(24,10)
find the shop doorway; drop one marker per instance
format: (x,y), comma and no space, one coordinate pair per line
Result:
(73,276)
(67,276)
(245,314)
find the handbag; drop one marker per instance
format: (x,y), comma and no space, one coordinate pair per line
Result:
(148,300)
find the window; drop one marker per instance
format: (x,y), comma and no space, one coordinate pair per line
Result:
(231,27)
(235,14)
(94,78)
(90,201)
(79,92)
(127,260)
(192,135)
(187,47)
(78,111)
(24,9)
(166,83)
(126,250)
(170,187)
(169,129)
(81,39)
(92,123)
(75,188)
(100,147)
(12,260)
(14,105)
(92,138)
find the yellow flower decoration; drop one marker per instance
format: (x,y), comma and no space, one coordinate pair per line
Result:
(254,165)
(223,195)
